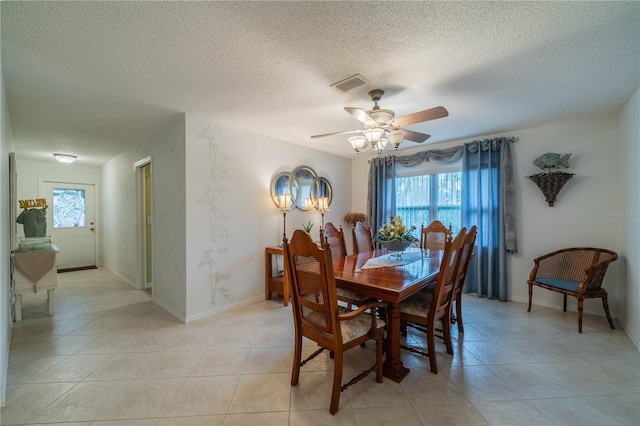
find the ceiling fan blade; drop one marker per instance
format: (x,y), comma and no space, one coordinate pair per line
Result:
(415,136)
(361,115)
(336,133)
(419,117)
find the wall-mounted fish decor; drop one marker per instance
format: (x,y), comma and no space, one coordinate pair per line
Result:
(551,159)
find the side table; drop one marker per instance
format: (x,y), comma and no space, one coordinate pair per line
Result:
(275,281)
(34,270)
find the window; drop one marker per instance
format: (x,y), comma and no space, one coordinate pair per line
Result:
(68,208)
(421,199)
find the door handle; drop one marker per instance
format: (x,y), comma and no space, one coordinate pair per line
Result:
(92,229)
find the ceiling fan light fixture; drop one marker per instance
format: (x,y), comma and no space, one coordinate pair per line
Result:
(395,138)
(381,145)
(359,144)
(65,158)
(373,135)
(381,116)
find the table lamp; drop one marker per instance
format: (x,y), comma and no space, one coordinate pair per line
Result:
(284,204)
(323,206)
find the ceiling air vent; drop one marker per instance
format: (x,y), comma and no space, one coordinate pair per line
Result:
(350,83)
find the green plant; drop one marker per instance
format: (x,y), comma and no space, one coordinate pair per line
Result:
(395,230)
(307,226)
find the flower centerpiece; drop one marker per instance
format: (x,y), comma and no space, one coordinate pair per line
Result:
(395,236)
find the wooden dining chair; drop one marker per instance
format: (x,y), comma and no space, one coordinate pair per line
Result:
(465,260)
(456,296)
(318,317)
(425,310)
(335,238)
(434,235)
(362,239)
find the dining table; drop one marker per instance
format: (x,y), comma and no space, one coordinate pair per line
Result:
(390,280)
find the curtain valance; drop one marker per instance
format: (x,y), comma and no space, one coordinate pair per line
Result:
(448,155)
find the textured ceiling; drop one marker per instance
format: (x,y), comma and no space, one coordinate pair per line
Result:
(90,78)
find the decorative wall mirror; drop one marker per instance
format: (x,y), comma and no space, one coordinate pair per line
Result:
(279,186)
(300,187)
(304,185)
(321,187)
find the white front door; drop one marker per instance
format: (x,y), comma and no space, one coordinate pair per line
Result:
(71,222)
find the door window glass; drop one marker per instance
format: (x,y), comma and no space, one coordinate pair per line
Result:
(69,208)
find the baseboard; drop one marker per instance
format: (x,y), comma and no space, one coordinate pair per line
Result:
(80,268)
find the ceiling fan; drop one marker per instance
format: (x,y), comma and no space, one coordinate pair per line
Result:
(381,129)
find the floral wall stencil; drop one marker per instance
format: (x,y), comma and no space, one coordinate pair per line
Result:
(217,218)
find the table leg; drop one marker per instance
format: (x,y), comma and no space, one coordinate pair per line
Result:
(18,307)
(393,367)
(267,271)
(51,300)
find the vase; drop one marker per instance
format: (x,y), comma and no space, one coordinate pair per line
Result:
(395,247)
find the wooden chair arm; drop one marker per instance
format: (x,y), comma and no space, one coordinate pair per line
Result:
(361,309)
(597,270)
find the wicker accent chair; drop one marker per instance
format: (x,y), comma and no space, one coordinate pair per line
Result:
(575,271)
(335,238)
(362,239)
(426,309)
(318,317)
(434,235)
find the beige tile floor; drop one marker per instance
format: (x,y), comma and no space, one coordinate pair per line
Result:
(110,356)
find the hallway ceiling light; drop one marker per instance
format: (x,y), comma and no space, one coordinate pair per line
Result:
(65,158)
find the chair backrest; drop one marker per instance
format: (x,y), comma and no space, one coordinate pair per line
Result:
(571,264)
(465,259)
(446,280)
(433,236)
(314,299)
(335,238)
(362,239)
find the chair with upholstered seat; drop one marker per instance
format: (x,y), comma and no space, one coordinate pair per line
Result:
(465,260)
(575,271)
(434,235)
(335,238)
(362,239)
(426,309)
(318,317)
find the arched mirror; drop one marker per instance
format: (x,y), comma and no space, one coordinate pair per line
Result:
(279,185)
(300,187)
(321,187)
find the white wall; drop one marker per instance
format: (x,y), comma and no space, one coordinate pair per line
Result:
(119,231)
(630,288)
(230,215)
(212,212)
(578,217)
(6,146)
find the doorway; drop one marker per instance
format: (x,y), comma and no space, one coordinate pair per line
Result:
(145,224)
(71,222)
